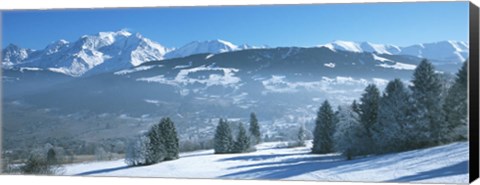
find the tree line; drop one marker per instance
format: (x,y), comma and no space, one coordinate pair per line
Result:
(423,114)
(161,142)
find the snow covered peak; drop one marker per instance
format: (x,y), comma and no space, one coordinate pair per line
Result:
(210,46)
(102,52)
(196,47)
(359,47)
(13,55)
(449,51)
(56,46)
(445,51)
(344,45)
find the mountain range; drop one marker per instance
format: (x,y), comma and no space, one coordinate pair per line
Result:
(446,51)
(116,84)
(114,51)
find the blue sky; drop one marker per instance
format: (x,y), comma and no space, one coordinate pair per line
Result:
(295,25)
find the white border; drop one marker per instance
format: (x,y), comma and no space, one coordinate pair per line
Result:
(76,4)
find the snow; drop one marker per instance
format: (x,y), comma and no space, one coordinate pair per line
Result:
(381,59)
(183,66)
(442,164)
(227,79)
(329,65)
(209,56)
(155,102)
(399,65)
(137,69)
(30,69)
(279,84)
(209,46)
(444,51)
(103,52)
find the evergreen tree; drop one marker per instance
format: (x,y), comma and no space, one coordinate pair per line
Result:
(254,128)
(456,106)
(137,151)
(368,109)
(242,144)
(324,129)
(350,138)
(156,146)
(51,156)
(394,128)
(301,135)
(170,139)
(429,116)
(355,107)
(223,140)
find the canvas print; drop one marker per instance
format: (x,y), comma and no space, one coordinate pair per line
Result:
(371,92)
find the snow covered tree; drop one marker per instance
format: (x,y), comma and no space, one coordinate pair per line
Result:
(355,107)
(51,156)
(170,139)
(254,128)
(242,144)
(301,136)
(350,137)
(429,116)
(223,140)
(456,106)
(324,129)
(394,129)
(156,148)
(137,151)
(368,109)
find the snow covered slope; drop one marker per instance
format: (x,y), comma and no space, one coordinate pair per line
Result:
(443,164)
(211,46)
(443,51)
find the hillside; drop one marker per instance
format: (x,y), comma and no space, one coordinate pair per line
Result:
(442,164)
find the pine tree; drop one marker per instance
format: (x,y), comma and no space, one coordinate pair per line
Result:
(456,106)
(355,107)
(242,144)
(254,128)
(137,151)
(429,115)
(324,129)
(223,140)
(350,138)
(51,156)
(301,135)
(368,109)
(156,148)
(394,128)
(170,139)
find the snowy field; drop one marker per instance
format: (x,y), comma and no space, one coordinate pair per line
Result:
(443,164)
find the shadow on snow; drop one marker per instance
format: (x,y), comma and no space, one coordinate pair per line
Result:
(106,170)
(456,169)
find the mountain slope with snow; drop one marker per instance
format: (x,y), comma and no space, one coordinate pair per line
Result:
(443,52)
(442,164)
(211,46)
(104,52)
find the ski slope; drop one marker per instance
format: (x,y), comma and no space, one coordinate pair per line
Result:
(443,164)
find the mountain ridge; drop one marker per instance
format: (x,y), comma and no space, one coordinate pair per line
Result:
(115,51)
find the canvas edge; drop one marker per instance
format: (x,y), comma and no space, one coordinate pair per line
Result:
(473,92)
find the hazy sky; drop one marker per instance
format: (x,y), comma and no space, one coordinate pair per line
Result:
(295,25)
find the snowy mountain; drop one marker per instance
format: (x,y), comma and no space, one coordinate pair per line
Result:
(450,51)
(443,52)
(103,52)
(13,55)
(211,46)
(362,47)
